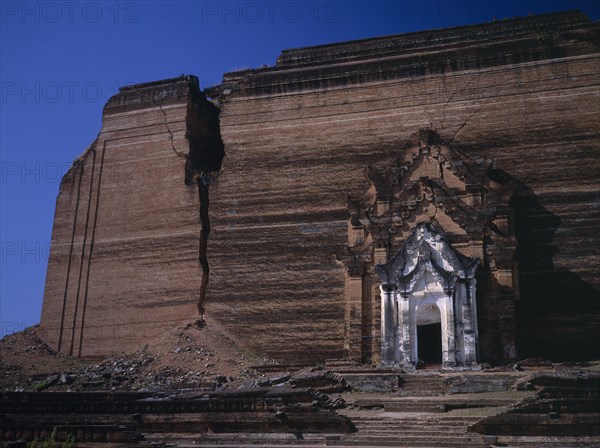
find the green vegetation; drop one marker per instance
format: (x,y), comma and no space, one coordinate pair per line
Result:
(51,441)
(42,385)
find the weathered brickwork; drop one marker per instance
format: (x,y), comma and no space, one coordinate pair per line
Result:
(125,245)
(518,96)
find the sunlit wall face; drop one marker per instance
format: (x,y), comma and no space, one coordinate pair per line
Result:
(60,62)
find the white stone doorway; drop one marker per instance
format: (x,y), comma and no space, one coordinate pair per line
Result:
(428,282)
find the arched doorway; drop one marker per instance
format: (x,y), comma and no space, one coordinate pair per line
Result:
(428,282)
(429,337)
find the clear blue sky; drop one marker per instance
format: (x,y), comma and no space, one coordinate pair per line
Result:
(61,60)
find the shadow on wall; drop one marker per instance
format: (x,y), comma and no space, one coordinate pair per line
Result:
(558,312)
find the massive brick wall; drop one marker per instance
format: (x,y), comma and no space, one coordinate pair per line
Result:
(125,244)
(520,94)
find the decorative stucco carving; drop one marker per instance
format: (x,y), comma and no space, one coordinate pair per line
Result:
(426,251)
(432,211)
(427,272)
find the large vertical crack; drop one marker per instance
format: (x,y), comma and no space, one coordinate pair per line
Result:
(202,165)
(203,183)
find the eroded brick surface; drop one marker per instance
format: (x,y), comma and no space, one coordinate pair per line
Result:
(518,95)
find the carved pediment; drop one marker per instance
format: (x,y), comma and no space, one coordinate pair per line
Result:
(431,196)
(426,251)
(424,156)
(431,182)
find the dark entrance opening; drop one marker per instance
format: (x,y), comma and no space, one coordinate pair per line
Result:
(429,340)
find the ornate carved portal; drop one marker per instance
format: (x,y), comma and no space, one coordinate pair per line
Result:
(429,243)
(428,275)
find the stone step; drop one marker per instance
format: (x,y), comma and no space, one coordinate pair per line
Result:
(243,439)
(336,444)
(137,444)
(442,419)
(415,431)
(435,384)
(563,405)
(406,415)
(408,444)
(437,440)
(340,445)
(386,382)
(534,424)
(411,426)
(569,392)
(421,391)
(423,430)
(71,419)
(412,433)
(279,440)
(237,445)
(413,383)
(402,405)
(429,384)
(547,442)
(440,406)
(89,433)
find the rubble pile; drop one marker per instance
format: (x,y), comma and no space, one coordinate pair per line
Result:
(191,356)
(25,359)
